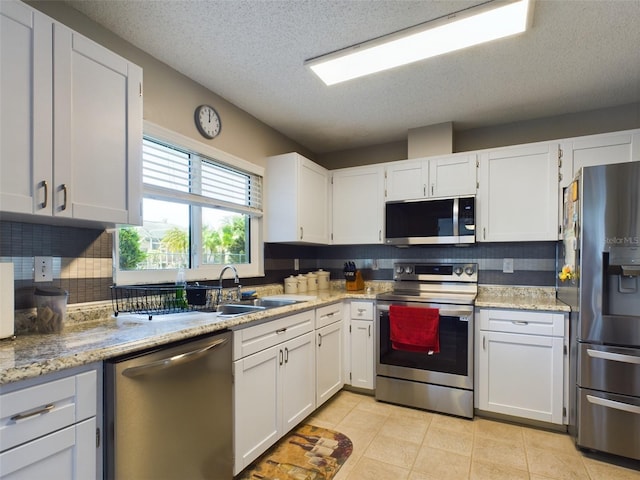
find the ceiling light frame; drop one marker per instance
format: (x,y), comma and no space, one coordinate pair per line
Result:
(475,25)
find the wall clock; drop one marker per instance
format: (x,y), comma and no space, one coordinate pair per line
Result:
(208,121)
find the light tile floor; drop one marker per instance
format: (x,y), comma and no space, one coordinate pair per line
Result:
(398,443)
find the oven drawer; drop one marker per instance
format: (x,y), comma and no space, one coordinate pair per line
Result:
(515,321)
(612,369)
(609,423)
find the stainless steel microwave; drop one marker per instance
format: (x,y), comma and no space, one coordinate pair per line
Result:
(424,222)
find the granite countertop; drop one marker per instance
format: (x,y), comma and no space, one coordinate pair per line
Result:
(91,333)
(521,298)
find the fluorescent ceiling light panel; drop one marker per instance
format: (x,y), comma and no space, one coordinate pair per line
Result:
(489,21)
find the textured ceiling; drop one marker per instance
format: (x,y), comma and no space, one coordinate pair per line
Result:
(579,55)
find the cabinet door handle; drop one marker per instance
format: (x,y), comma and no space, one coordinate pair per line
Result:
(424,190)
(369,330)
(319,339)
(432,189)
(38,411)
(45,202)
(281,357)
(301,233)
(484,342)
(64,189)
(286,354)
(484,233)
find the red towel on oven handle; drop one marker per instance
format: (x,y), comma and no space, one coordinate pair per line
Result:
(414,329)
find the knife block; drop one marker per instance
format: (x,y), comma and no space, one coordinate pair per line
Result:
(355,283)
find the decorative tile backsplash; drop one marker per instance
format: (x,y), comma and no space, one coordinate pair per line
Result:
(82,260)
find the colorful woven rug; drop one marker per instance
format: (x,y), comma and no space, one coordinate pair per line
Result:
(307,453)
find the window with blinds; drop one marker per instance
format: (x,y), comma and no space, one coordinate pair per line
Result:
(198,213)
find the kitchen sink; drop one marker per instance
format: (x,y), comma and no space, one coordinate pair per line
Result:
(251,306)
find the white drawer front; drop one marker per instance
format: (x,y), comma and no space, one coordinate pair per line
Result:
(38,410)
(253,339)
(328,314)
(517,321)
(362,310)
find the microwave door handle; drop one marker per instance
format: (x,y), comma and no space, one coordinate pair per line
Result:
(456,210)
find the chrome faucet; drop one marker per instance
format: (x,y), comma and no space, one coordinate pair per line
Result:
(236,279)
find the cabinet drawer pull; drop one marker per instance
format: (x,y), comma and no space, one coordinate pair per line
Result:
(38,411)
(281,330)
(519,322)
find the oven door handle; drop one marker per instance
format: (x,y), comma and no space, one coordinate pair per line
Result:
(463,313)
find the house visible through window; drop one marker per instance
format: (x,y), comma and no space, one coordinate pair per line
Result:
(199,214)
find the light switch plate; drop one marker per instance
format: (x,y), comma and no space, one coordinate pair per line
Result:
(43,269)
(507,265)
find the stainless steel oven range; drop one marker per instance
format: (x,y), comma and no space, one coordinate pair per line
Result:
(441,381)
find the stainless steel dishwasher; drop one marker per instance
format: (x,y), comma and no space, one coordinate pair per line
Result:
(169,412)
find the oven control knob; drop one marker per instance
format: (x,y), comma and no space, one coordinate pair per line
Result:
(409,269)
(399,269)
(469,270)
(457,271)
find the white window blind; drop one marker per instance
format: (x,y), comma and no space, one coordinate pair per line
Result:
(187,177)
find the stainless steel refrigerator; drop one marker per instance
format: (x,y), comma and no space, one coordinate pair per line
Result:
(600,254)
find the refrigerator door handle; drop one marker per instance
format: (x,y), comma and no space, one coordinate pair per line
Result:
(625,407)
(616,357)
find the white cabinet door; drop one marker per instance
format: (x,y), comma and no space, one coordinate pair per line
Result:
(68,454)
(406,180)
(617,147)
(256,405)
(452,175)
(274,390)
(98,134)
(362,356)
(89,166)
(518,194)
(358,205)
(298,381)
(297,200)
(25,110)
(329,379)
(521,375)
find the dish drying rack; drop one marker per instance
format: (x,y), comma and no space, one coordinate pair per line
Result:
(164,299)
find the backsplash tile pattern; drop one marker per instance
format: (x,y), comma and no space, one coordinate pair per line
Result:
(82,260)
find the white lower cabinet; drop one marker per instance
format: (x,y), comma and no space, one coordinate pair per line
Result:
(361,335)
(274,387)
(48,428)
(329,357)
(522,364)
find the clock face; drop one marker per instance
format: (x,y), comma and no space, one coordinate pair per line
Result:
(208,121)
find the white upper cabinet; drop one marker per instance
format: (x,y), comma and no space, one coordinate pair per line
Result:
(26,109)
(517,197)
(358,205)
(604,149)
(89,166)
(447,176)
(297,200)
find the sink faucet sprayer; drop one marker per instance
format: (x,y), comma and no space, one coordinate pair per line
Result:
(235,279)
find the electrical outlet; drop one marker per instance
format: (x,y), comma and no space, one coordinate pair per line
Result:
(374,264)
(43,269)
(296,264)
(507,265)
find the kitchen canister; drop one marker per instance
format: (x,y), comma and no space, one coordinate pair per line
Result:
(51,308)
(291,284)
(312,282)
(302,284)
(323,279)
